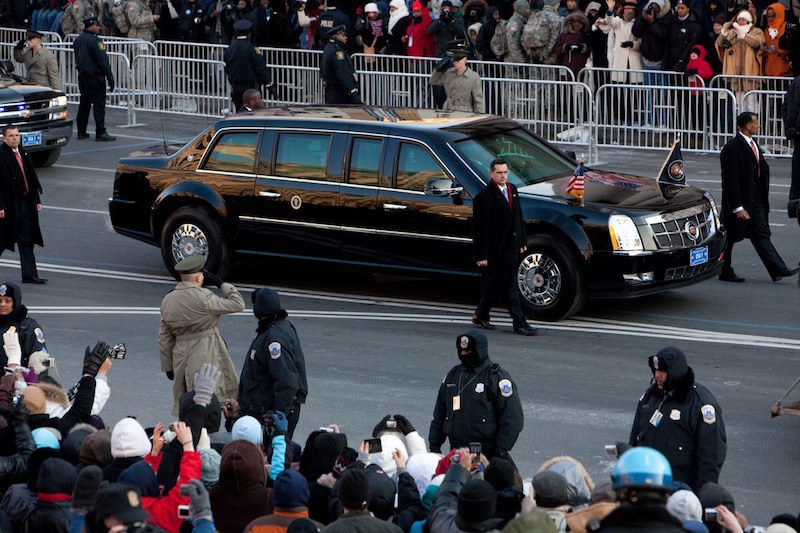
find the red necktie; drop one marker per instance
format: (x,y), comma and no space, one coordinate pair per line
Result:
(755,150)
(22,167)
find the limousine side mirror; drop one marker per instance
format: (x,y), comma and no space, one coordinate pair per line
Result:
(441,187)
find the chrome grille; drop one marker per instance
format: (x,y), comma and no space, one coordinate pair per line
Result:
(670,233)
(685,272)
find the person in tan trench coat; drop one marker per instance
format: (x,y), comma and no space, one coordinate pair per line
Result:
(739,48)
(188,334)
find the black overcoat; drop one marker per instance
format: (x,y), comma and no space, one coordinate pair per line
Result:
(498,235)
(742,183)
(11,188)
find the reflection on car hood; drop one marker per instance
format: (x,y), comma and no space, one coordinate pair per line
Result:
(17,92)
(616,190)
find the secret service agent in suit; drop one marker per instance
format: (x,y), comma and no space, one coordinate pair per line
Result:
(337,71)
(244,64)
(93,71)
(19,204)
(498,240)
(745,200)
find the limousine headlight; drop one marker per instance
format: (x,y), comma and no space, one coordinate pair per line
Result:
(714,210)
(624,235)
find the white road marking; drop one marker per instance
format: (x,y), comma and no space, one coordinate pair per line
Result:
(93,169)
(75,209)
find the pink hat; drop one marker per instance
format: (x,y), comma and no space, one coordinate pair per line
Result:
(417,6)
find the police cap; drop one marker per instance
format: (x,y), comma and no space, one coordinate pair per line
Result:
(458,48)
(339,28)
(33,34)
(90,21)
(191,264)
(242,27)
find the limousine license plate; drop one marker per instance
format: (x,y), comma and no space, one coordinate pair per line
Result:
(698,256)
(33,138)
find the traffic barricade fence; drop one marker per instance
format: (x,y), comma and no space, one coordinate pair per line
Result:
(13,35)
(772,133)
(295,76)
(596,77)
(188,50)
(702,117)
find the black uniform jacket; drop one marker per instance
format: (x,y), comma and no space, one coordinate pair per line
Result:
(337,69)
(742,183)
(90,56)
(11,194)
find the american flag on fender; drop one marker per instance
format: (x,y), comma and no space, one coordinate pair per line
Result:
(575,185)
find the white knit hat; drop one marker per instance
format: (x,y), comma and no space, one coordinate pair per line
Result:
(371,7)
(745,15)
(685,505)
(129,439)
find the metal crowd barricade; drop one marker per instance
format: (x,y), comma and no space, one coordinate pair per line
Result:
(772,134)
(295,74)
(188,50)
(702,117)
(13,35)
(395,81)
(596,77)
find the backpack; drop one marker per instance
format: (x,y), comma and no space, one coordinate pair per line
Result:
(499,42)
(536,34)
(121,16)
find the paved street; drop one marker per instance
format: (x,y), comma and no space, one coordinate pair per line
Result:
(378,344)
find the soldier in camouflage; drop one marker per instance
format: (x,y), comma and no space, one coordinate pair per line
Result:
(74,14)
(541,32)
(141,20)
(514,27)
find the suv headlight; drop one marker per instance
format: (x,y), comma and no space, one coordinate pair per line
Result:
(58,101)
(624,235)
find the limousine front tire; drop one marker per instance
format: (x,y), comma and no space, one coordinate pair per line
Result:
(549,279)
(192,231)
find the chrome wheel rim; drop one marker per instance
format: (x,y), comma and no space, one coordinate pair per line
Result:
(539,279)
(188,240)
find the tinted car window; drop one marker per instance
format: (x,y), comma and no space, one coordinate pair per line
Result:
(302,155)
(234,152)
(416,166)
(365,158)
(529,161)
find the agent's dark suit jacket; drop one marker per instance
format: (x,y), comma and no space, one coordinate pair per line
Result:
(742,183)
(11,189)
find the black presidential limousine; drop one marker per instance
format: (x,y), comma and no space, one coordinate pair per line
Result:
(389,189)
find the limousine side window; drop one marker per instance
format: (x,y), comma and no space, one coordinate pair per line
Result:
(303,155)
(234,152)
(365,159)
(416,166)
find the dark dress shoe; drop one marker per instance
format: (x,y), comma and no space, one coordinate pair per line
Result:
(485,324)
(105,137)
(526,330)
(785,274)
(38,281)
(83,135)
(730,276)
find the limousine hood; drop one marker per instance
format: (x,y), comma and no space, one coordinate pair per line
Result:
(622,191)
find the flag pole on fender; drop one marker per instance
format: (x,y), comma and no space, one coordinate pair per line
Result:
(672,177)
(576,184)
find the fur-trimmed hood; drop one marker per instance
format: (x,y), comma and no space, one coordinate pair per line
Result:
(577,15)
(580,484)
(56,397)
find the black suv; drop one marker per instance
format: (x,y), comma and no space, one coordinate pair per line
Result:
(391,190)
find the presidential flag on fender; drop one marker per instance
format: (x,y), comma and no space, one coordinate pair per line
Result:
(672,177)
(576,183)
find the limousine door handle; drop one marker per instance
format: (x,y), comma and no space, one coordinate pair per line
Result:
(269,194)
(394,207)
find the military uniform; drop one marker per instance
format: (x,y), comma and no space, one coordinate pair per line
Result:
(140,20)
(188,335)
(464,91)
(683,421)
(477,402)
(273,377)
(514,28)
(244,64)
(337,72)
(74,15)
(41,65)
(93,71)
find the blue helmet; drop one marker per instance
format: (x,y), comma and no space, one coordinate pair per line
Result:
(642,467)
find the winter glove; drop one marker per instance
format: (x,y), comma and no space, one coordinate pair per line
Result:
(575,47)
(111,84)
(36,361)
(170,375)
(791,134)
(93,360)
(726,44)
(626,44)
(213,279)
(380,427)
(584,48)
(271,90)
(622,447)
(19,414)
(204,383)
(86,486)
(281,423)
(404,425)
(20,45)
(197,493)
(565,48)
(444,63)
(690,72)
(12,347)
(436,449)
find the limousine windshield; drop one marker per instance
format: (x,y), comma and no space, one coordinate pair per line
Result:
(529,161)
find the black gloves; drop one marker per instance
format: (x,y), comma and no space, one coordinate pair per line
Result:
(271,90)
(791,134)
(403,424)
(213,279)
(86,486)
(436,449)
(170,375)
(444,63)
(19,414)
(20,45)
(111,84)
(690,72)
(93,360)
(382,426)
(626,44)
(726,44)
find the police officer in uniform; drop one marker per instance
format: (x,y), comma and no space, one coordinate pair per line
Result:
(24,345)
(681,419)
(274,374)
(244,64)
(477,402)
(336,70)
(461,84)
(93,72)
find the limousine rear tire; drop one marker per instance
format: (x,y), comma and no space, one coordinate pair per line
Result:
(191,231)
(550,280)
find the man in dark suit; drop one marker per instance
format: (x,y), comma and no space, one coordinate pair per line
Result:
(745,200)
(498,240)
(19,204)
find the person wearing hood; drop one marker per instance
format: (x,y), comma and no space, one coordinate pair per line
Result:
(685,31)
(27,346)
(399,20)
(274,373)
(54,485)
(571,48)
(681,419)
(419,42)
(290,497)
(652,27)
(503,476)
(739,46)
(483,43)
(354,492)
(477,402)
(14,464)
(776,60)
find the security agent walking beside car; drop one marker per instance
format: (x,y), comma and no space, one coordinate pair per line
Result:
(40,62)
(188,335)
(337,71)
(498,239)
(745,200)
(244,64)
(93,72)
(273,377)
(19,204)
(681,419)
(462,85)
(477,402)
